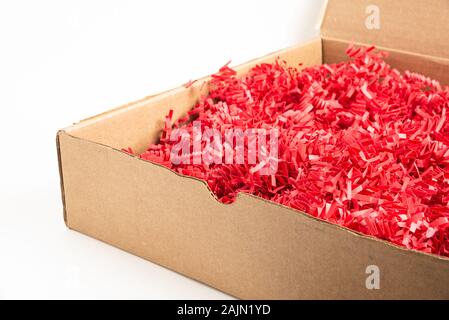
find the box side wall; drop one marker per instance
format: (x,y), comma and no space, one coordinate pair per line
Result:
(418,26)
(139,124)
(435,68)
(251,249)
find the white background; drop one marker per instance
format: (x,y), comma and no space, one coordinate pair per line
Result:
(62,61)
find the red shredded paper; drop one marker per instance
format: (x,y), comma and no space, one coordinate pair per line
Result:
(360,145)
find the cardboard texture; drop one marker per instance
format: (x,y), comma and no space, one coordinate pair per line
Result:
(418,26)
(251,249)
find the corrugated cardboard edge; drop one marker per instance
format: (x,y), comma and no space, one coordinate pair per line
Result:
(398,248)
(61,175)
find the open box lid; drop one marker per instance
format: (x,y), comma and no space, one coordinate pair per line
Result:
(418,26)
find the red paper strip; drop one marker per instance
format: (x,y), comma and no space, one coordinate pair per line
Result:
(360,145)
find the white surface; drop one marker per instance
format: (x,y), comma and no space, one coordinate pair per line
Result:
(61,61)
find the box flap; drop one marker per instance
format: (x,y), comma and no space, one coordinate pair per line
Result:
(418,26)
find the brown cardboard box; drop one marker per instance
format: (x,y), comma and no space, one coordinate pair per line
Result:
(252,248)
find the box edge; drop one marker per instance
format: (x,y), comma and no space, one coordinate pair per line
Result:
(61,175)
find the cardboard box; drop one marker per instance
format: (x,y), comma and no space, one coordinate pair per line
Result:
(252,249)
